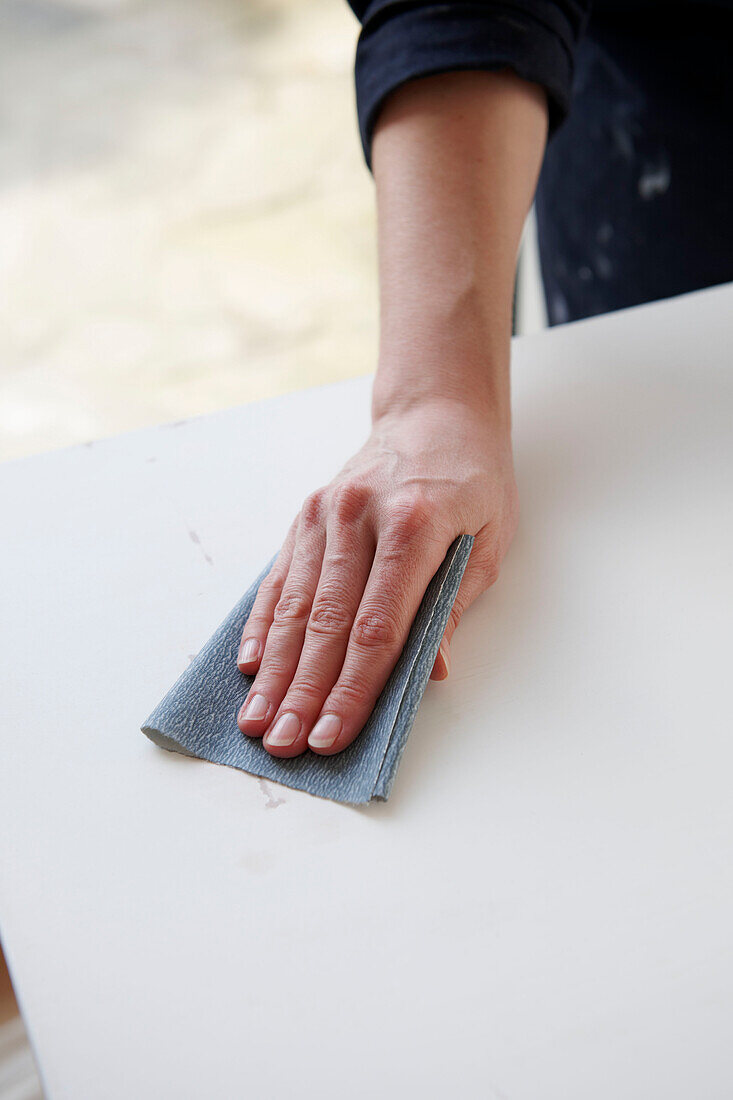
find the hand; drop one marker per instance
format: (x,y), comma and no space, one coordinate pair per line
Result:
(331,617)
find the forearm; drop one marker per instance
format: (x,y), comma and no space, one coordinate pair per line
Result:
(455,159)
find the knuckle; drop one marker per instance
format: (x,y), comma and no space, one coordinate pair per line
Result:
(271,584)
(376,629)
(490,565)
(258,623)
(349,501)
(411,517)
(291,607)
(348,695)
(305,693)
(312,510)
(269,679)
(329,617)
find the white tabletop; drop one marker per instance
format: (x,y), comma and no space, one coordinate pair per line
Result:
(544,907)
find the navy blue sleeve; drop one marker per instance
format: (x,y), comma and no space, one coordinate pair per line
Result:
(404,39)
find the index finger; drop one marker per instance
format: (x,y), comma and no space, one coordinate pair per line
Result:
(259,621)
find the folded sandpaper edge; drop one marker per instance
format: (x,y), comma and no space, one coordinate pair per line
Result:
(460,552)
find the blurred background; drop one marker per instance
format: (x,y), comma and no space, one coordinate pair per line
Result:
(185,219)
(186,223)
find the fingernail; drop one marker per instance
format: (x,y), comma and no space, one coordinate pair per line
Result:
(250,651)
(255,708)
(285,730)
(325,731)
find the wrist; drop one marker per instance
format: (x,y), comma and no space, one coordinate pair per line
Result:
(493,415)
(405,383)
(447,341)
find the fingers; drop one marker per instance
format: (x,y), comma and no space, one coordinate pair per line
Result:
(252,645)
(344,574)
(406,559)
(288,618)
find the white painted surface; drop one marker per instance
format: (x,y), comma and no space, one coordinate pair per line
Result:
(544,907)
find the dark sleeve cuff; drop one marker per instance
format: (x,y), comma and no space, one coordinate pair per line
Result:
(399,42)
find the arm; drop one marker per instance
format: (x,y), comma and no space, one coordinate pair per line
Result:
(456,158)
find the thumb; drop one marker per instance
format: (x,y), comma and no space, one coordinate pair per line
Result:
(481,572)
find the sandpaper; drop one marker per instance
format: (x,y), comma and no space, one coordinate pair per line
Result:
(198,716)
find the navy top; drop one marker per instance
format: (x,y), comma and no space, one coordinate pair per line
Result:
(537,39)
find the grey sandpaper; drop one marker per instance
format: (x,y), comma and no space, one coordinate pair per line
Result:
(198,716)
